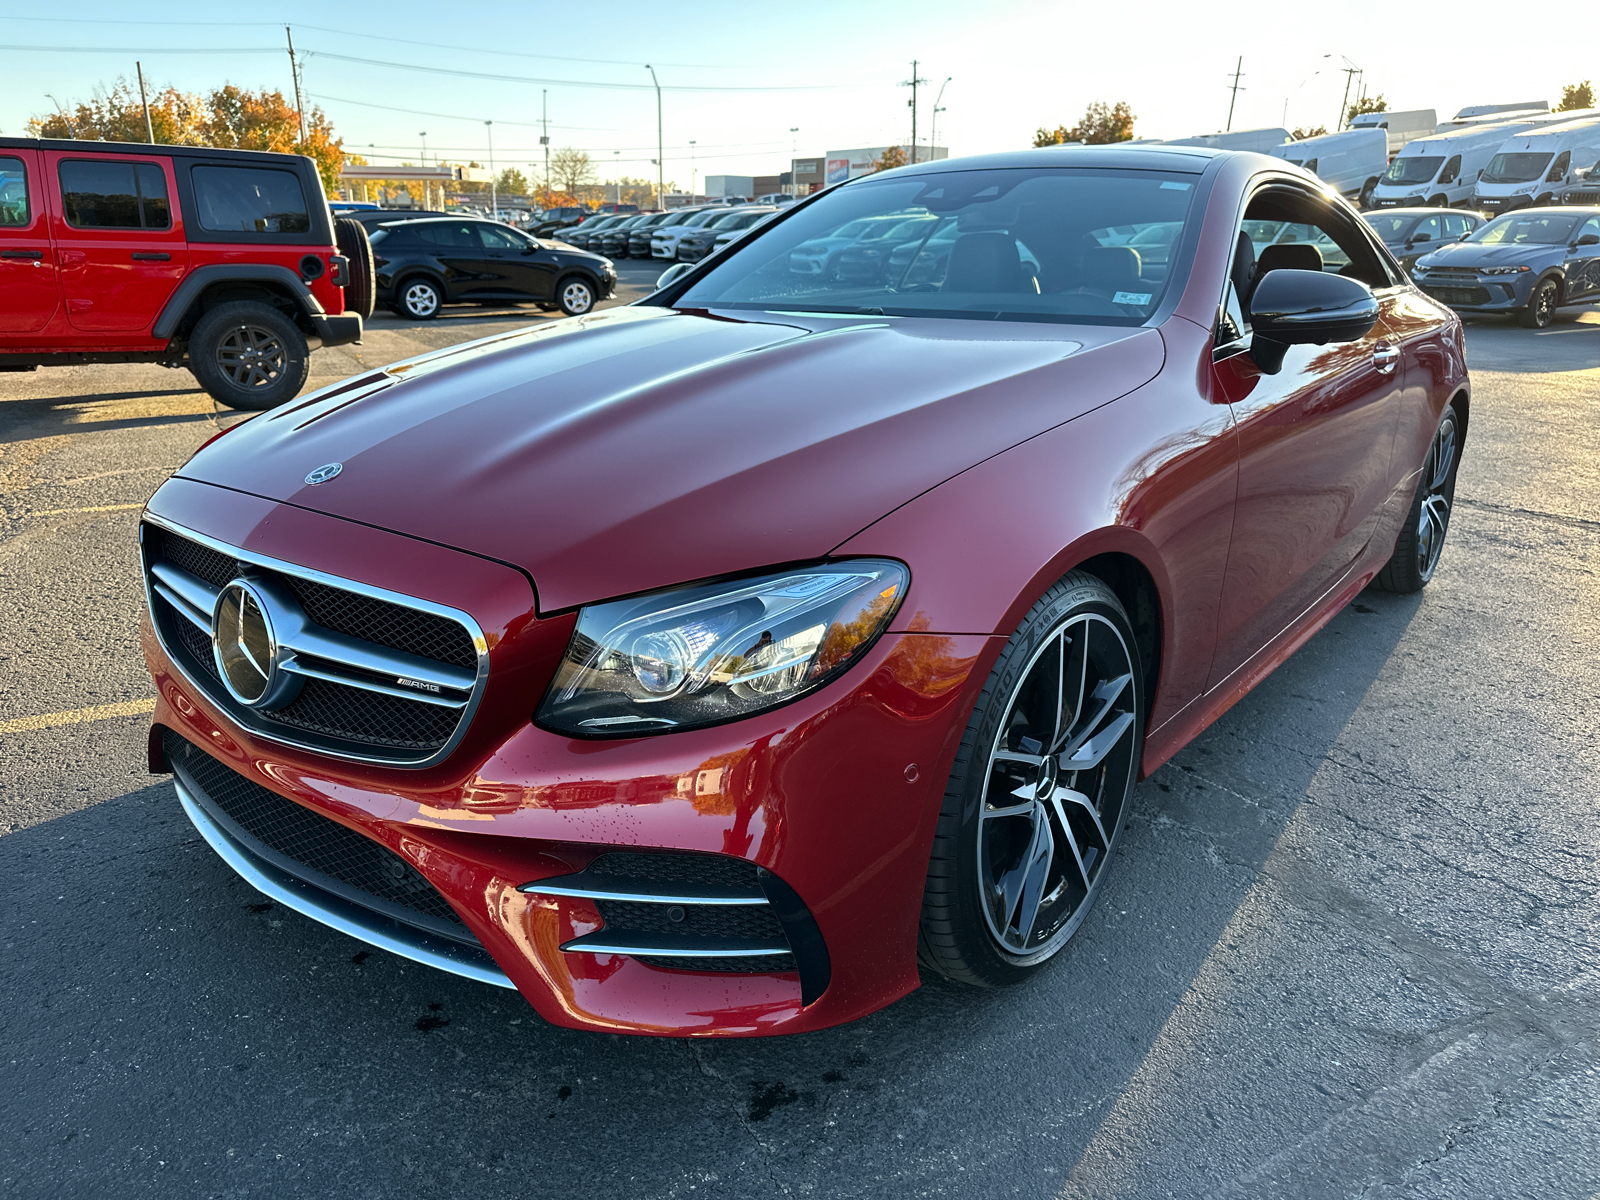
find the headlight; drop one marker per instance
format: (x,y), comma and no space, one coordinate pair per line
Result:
(716,652)
(1502,270)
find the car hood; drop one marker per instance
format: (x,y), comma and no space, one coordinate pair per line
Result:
(641,447)
(1470,254)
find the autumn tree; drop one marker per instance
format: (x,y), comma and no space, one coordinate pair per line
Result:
(1575,96)
(1102,124)
(891,158)
(570,170)
(228,116)
(1366,104)
(1308,131)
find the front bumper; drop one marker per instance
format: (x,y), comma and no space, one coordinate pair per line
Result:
(821,794)
(1495,205)
(1485,294)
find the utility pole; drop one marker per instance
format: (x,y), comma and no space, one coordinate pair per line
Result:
(544,138)
(616,170)
(494,193)
(149,130)
(294,71)
(913,83)
(1350,72)
(692,193)
(427,192)
(933,124)
(661,155)
(1238,74)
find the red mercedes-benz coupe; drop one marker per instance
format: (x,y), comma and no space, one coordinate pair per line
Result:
(714,664)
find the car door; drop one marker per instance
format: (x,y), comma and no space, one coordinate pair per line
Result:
(1315,441)
(510,271)
(460,254)
(1425,237)
(119,239)
(29,286)
(1583,261)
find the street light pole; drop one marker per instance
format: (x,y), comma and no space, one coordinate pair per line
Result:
(149,130)
(661,156)
(693,193)
(427,189)
(933,124)
(494,193)
(616,171)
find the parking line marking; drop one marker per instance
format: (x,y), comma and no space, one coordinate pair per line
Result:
(77,716)
(57,512)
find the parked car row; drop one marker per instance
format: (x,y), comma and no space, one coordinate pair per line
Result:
(678,235)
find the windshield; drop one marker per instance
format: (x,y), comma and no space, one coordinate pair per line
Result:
(1419,168)
(1524,229)
(1391,229)
(1026,244)
(1515,168)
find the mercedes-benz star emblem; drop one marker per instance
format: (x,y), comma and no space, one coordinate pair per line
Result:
(324,473)
(242,640)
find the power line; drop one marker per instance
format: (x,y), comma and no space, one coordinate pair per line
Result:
(148,49)
(582,83)
(421,112)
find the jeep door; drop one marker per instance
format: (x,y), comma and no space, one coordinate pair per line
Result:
(119,239)
(28,279)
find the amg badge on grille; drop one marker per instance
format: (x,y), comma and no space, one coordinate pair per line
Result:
(324,473)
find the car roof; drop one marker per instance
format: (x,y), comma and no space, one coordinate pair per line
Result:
(1187,159)
(1418,209)
(146,149)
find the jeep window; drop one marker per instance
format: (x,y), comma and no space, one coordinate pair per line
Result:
(114,195)
(250,200)
(13,192)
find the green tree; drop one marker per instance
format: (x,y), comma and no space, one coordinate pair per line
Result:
(1307,131)
(891,158)
(1575,96)
(1366,104)
(1102,124)
(512,182)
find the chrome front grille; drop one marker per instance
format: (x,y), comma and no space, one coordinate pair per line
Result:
(366,674)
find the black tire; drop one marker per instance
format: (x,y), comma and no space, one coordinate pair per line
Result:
(576,295)
(248,355)
(1542,304)
(411,298)
(1421,541)
(977,926)
(1439,202)
(359,289)
(1364,200)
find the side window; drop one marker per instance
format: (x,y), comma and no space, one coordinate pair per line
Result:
(1455,225)
(1558,169)
(114,195)
(1591,228)
(449,236)
(1452,170)
(14,210)
(1231,326)
(495,239)
(250,200)
(1427,230)
(1292,228)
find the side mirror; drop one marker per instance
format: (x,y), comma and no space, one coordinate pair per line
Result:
(1422,237)
(1589,239)
(672,274)
(1295,308)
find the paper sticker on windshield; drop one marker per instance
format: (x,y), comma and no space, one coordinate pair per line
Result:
(1176,187)
(1130,298)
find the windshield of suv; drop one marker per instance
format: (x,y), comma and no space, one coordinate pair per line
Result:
(1419,168)
(1391,229)
(1515,168)
(1023,244)
(1523,229)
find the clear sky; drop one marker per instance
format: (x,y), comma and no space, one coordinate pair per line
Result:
(829,68)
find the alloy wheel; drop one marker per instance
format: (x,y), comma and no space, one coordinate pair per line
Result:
(577,297)
(1544,304)
(1058,778)
(1434,519)
(421,299)
(251,356)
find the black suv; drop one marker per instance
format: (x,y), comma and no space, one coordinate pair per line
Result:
(423,265)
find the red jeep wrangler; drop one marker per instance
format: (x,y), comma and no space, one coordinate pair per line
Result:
(224,261)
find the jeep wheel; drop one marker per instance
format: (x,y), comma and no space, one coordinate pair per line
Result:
(249,355)
(575,295)
(418,299)
(354,244)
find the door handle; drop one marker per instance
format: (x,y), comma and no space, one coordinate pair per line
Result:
(151,256)
(1384,357)
(34,254)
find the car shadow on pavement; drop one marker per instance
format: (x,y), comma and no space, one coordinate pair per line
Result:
(168,1022)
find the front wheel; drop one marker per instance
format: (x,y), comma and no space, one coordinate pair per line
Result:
(1541,304)
(248,355)
(1039,790)
(1421,542)
(1440,202)
(575,295)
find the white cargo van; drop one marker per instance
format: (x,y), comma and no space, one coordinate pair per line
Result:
(1262,141)
(1485,110)
(1442,170)
(1402,127)
(1531,168)
(1352,161)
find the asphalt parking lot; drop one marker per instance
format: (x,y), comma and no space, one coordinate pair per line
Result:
(1352,947)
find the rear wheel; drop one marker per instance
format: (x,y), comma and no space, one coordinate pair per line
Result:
(351,236)
(249,355)
(1542,304)
(1039,790)
(418,299)
(1421,541)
